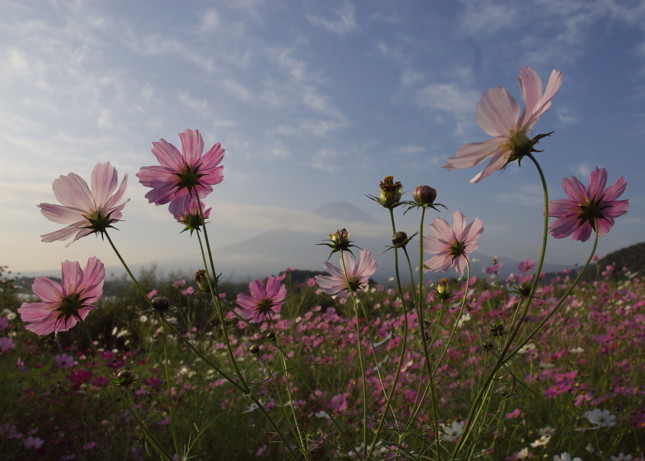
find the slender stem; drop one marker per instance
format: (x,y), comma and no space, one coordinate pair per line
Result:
(559,304)
(478,401)
(359,342)
(128,399)
(218,309)
(404,342)
(171,411)
(456,323)
(127,269)
(424,342)
(301,440)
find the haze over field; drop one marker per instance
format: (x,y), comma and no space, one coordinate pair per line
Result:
(314,102)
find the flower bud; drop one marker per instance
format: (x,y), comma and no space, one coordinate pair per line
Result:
(201,279)
(399,239)
(424,195)
(124,378)
(443,288)
(160,304)
(390,192)
(340,240)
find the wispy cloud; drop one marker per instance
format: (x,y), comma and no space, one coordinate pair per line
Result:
(487,17)
(452,99)
(338,19)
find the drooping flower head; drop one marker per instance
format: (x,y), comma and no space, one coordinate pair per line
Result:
(451,245)
(264,301)
(63,304)
(498,114)
(186,211)
(185,173)
(85,210)
(358,275)
(587,207)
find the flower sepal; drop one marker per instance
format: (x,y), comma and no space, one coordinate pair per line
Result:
(338,242)
(522,148)
(400,240)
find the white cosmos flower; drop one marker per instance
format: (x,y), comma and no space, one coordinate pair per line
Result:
(600,418)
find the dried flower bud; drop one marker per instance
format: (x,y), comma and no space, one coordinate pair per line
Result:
(201,279)
(390,192)
(424,195)
(443,288)
(160,304)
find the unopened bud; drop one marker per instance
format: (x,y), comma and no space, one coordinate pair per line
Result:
(124,378)
(160,304)
(424,195)
(399,239)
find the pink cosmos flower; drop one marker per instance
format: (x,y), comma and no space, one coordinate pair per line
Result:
(63,304)
(264,301)
(450,245)
(6,344)
(185,211)
(182,173)
(526,266)
(587,208)
(498,114)
(358,275)
(85,210)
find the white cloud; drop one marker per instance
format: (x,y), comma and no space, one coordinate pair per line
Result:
(450,98)
(194,104)
(487,17)
(409,149)
(236,89)
(209,21)
(340,20)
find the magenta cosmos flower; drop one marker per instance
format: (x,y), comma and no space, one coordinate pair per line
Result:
(63,304)
(588,207)
(498,114)
(451,245)
(182,173)
(358,275)
(264,301)
(86,210)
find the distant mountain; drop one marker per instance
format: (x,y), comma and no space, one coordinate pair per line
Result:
(631,257)
(273,251)
(343,211)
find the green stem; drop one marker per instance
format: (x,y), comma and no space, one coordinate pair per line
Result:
(301,441)
(128,399)
(127,269)
(359,341)
(515,328)
(559,304)
(171,411)
(218,309)
(424,342)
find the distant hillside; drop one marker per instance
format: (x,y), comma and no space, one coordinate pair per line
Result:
(632,257)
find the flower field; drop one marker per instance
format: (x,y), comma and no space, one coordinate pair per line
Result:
(307,366)
(573,388)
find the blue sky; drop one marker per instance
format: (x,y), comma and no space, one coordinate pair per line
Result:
(314,102)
